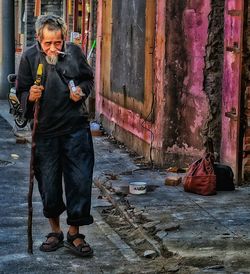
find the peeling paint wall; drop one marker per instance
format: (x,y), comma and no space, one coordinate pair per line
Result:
(187,103)
(180,105)
(231,89)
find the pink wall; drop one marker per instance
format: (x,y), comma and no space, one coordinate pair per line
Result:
(192,101)
(233,33)
(191,104)
(195,24)
(196,29)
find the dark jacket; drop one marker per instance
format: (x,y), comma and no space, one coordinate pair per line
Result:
(58,114)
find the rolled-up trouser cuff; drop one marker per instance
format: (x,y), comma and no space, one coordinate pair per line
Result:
(54,213)
(81,221)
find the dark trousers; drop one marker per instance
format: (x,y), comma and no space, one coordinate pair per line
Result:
(72,157)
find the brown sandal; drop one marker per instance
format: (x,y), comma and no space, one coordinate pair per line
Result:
(83,249)
(54,244)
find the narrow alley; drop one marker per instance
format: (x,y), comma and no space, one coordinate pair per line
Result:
(158,84)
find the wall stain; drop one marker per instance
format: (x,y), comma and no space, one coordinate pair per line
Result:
(176,69)
(214,73)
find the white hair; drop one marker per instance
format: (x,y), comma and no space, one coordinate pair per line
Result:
(52,22)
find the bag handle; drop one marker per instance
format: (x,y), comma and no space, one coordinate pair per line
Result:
(207,160)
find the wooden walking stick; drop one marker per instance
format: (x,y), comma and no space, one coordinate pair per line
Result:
(32,174)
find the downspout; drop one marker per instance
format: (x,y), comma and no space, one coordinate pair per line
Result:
(7,45)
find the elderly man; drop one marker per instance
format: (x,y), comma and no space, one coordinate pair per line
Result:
(63,139)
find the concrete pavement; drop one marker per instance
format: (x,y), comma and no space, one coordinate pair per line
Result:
(111,253)
(208,232)
(188,233)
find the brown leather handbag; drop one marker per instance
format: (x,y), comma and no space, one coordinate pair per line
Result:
(200,177)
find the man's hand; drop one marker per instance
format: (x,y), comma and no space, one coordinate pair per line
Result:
(35,93)
(77,95)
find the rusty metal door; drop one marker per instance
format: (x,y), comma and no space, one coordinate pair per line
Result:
(231,93)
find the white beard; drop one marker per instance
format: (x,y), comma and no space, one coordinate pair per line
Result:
(52,60)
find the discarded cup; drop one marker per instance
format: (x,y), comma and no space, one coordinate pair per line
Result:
(138,188)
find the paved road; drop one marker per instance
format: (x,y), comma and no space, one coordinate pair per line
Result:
(213,234)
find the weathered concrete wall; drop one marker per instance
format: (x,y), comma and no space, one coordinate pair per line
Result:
(180,105)
(187,104)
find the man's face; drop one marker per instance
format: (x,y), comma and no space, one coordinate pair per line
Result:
(51,42)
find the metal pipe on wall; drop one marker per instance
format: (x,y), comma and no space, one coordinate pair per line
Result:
(7,44)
